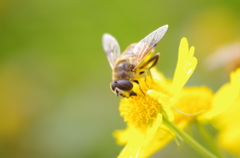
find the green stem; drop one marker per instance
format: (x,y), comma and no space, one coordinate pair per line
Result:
(209,140)
(188,139)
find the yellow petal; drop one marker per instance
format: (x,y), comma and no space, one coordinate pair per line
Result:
(134,144)
(186,64)
(164,100)
(152,131)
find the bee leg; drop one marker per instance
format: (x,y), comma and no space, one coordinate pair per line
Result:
(148,73)
(145,73)
(136,81)
(153,61)
(149,64)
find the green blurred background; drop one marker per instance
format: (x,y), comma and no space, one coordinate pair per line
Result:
(55,99)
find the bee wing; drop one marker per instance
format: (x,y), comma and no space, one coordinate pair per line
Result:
(144,47)
(111,48)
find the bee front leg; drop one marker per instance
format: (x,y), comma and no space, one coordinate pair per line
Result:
(149,64)
(136,81)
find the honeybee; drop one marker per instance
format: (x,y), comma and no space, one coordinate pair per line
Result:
(127,67)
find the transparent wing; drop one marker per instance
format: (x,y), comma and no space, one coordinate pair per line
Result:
(144,47)
(111,48)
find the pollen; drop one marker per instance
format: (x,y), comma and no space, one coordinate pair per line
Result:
(139,111)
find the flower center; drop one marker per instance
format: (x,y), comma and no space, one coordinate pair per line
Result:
(139,111)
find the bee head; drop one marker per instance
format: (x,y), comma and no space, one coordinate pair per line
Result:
(123,88)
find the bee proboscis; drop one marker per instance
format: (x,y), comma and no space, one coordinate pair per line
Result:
(129,65)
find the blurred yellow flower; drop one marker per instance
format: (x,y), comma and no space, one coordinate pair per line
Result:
(145,132)
(192,100)
(225,97)
(226,111)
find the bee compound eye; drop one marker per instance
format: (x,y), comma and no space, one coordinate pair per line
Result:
(124,85)
(113,85)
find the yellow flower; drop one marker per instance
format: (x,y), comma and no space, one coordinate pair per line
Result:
(194,100)
(225,97)
(226,109)
(145,132)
